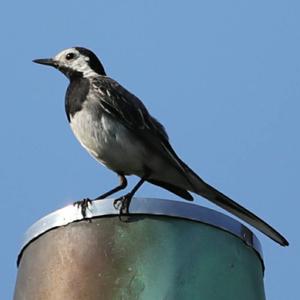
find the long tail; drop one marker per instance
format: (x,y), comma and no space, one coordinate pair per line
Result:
(205,190)
(183,178)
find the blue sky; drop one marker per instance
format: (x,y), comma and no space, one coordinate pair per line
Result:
(222,76)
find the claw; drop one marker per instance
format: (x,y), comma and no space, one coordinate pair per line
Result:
(118,203)
(122,204)
(84,205)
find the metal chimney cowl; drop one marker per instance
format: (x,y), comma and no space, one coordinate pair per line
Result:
(165,249)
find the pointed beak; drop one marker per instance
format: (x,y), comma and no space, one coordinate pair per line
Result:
(46,61)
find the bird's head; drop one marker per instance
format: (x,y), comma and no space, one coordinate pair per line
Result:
(75,61)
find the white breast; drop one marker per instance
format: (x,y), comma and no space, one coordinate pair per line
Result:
(109,142)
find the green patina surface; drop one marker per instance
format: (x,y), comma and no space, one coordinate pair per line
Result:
(167,258)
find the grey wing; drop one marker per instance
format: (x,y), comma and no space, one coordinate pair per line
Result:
(128,109)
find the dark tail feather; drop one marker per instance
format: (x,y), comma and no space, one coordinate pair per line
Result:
(210,193)
(192,182)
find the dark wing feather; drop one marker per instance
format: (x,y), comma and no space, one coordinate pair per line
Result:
(131,112)
(172,188)
(127,108)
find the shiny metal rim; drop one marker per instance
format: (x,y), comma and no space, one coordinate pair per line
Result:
(149,206)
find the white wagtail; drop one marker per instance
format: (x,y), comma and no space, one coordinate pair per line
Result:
(115,127)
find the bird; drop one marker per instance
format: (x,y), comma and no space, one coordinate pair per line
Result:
(116,129)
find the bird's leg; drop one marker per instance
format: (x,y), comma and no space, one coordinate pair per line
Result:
(121,186)
(84,203)
(123,202)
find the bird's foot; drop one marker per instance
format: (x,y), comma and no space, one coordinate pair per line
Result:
(84,205)
(123,203)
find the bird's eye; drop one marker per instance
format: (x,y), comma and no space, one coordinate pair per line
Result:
(70,56)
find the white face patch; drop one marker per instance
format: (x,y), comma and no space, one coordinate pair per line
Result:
(78,62)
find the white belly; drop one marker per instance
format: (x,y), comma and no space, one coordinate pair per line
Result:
(109,143)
